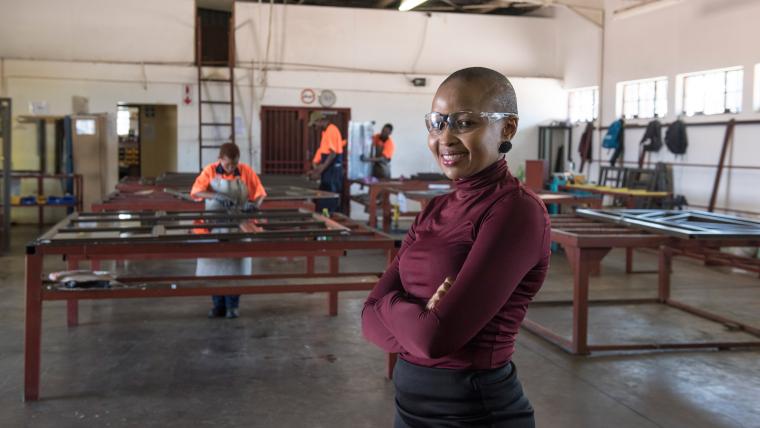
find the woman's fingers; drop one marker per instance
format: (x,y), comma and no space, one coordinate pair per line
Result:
(439,293)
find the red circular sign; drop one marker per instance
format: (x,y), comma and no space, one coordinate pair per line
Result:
(308,96)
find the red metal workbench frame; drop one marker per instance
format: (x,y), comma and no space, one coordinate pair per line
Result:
(361,238)
(586,243)
(160,201)
(378,189)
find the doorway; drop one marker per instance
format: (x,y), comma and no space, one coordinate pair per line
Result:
(288,144)
(147,138)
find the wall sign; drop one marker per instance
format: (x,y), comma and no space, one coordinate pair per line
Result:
(327,98)
(308,96)
(187,97)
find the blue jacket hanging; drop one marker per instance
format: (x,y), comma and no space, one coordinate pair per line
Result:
(614,139)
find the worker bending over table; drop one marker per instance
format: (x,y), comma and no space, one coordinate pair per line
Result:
(230,185)
(452,302)
(382,152)
(328,161)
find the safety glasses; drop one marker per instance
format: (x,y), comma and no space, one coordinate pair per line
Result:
(462,121)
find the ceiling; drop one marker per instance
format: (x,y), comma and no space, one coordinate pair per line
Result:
(492,7)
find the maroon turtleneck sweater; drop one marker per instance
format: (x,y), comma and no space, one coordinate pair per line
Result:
(492,235)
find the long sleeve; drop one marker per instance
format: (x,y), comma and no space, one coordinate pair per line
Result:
(512,240)
(201,183)
(390,283)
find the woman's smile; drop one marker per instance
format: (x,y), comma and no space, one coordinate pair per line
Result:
(450,158)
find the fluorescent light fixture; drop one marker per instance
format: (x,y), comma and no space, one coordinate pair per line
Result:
(408,5)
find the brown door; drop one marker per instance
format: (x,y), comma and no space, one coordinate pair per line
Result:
(287,143)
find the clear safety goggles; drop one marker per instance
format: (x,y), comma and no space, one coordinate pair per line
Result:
(461,122)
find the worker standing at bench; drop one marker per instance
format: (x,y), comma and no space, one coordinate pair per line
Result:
(382,152)
(227,184)
(328,161)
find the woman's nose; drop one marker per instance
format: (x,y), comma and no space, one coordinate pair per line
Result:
(446,137)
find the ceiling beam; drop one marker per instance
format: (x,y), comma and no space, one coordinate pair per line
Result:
(382,4)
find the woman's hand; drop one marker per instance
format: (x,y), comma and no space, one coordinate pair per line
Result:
(442,290)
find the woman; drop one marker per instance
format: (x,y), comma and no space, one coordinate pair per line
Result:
(453,300)
(227,184)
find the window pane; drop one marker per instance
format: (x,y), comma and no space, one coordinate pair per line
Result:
(694,94)
(714,93)
(630,100)
(733,102)
(646,99)
(122,122)
(661,98)
(734,81)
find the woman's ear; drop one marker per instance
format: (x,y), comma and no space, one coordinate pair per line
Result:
(509,129)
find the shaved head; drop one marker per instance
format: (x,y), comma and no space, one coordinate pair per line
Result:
(494,86)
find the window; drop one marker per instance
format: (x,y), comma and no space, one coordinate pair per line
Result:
(85,126)
(712,91)
(582,104)
(644,98)
(127,120)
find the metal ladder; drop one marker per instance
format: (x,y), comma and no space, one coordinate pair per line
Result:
(207,79)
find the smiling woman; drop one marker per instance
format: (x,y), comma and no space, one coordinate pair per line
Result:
(452,302)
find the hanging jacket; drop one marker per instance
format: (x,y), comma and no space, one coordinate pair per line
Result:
(675,138)
(612,137)
(585,147)
(615,139)
(653,134)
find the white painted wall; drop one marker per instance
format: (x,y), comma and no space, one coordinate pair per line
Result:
(387,40)
(689,36)
(579,44)
(99,55)
(104,30)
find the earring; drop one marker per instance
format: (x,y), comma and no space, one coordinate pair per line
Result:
(505,147)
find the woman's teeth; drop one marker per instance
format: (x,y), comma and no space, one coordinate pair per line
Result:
(452,158)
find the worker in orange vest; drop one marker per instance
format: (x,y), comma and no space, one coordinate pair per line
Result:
(328,161)
(226,185)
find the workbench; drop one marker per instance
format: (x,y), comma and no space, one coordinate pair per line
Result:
(590,235)
(377,189)
(628,196)
(95,237)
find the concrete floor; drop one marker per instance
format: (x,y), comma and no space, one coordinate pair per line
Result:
(284,363)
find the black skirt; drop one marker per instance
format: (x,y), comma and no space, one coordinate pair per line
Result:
(431,397)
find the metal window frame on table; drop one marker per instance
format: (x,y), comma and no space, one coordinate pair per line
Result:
(152,241)
(155,198)
(586,242)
